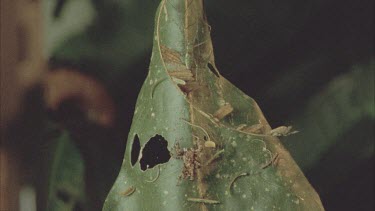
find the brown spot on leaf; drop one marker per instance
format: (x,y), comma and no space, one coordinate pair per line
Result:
(128,191)
(223,111)
(170,55)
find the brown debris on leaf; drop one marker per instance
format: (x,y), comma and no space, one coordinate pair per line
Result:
(92,98)
(257,129)
(282,131)
(223,111)
(185,75)
(190,86)
(272,162)
(170,55)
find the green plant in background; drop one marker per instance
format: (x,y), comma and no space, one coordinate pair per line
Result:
(66,183)
(196,141)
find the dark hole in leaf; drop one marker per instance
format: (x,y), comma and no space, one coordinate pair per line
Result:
(209,65)
(155,152)
(63,196)
(205,138)
(136,147)
(78,207)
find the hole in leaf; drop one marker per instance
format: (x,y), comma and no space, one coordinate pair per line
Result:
(63,196)
(209,65)
(136,147)
(155,152)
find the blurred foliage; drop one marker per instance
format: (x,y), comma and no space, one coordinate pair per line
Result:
(344,103)
(336,143)
(66,183)
(306,63)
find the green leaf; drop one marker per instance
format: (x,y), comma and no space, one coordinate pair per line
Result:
(66,182)
(186,103)
(344,103)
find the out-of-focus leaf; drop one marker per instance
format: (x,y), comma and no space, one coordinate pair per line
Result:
(186,102)
(335,146)
(116,38)
(74,18)
(342,105)
(66,181)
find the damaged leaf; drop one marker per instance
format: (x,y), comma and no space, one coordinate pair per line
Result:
(243,170)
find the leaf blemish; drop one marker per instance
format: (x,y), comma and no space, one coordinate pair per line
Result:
(129,191)
(223,111)
(235,178)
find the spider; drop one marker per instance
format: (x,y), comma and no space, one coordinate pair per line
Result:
(190,159)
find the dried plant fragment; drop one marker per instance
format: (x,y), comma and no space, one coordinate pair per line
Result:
(190,86)
(170,55)
(185,75)
(235,178)
(178,81)
(241,126)
(223,111)
(272,161)
(282,131)
(257,129)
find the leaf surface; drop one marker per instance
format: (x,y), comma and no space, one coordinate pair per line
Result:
(202,157)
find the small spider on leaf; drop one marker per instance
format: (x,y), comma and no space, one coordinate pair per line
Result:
(190,158)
